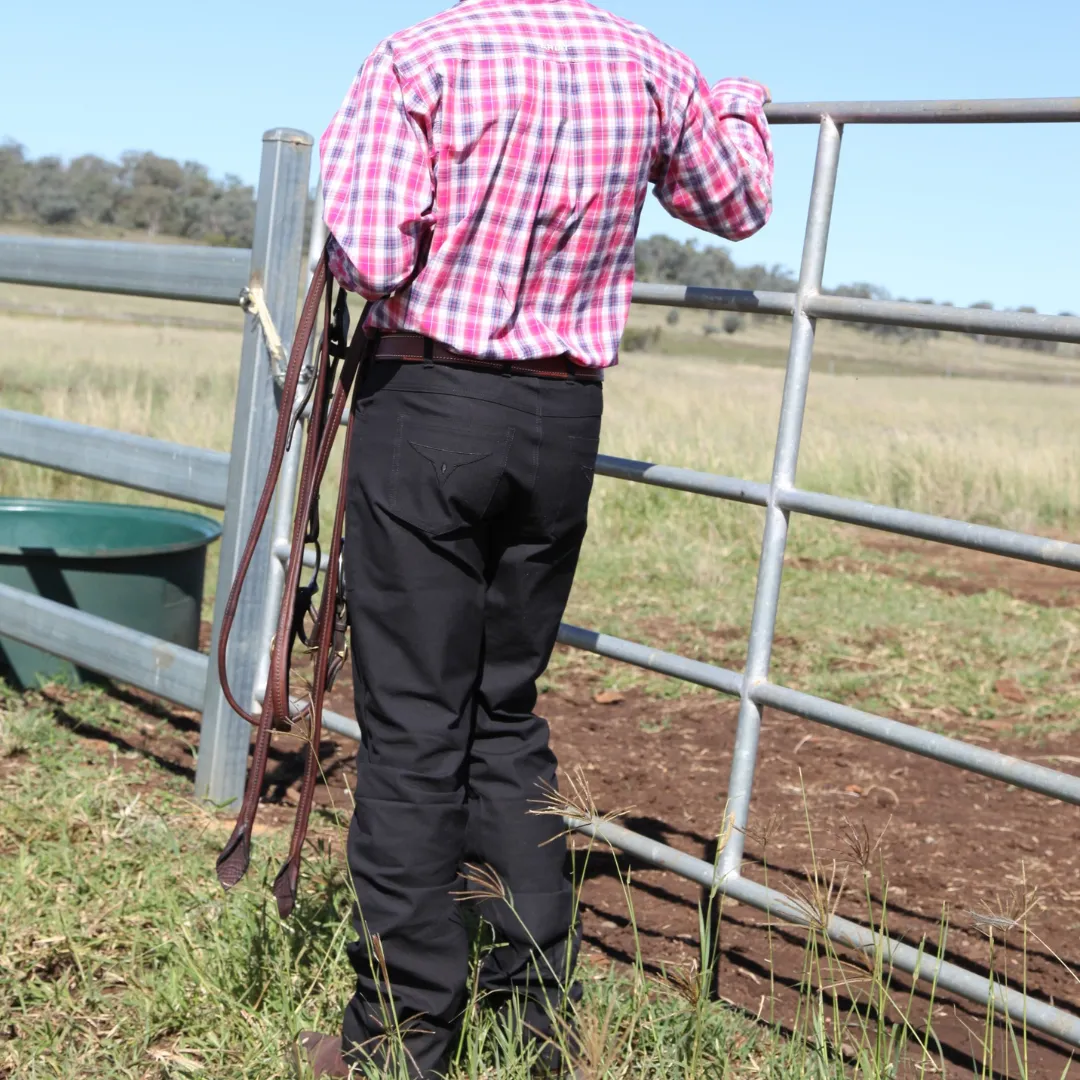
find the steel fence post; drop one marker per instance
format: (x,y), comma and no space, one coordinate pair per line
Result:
(774,538)
(276,258)
(285,499)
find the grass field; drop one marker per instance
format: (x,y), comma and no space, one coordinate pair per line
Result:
(113,928)
(117,950)
(984,449)
(120,957)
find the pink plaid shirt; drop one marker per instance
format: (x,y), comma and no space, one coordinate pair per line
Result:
(484,177)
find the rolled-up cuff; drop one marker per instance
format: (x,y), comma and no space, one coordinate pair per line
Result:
(341,266)
(741,102)
(737,90)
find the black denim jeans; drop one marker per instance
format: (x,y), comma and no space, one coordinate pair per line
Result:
(468,494)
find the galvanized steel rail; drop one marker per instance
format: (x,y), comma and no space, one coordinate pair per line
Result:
(134,461)
(216,276)
(170,671)
(168,271)
(923,963)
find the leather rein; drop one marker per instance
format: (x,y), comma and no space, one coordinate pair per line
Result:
(321,629)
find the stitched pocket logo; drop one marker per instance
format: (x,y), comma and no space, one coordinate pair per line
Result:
(446,462)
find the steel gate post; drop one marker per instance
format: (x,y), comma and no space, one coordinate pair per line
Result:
(285,498)
(774,539)
(276,258)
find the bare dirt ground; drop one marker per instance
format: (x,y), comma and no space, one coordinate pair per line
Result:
(945,840)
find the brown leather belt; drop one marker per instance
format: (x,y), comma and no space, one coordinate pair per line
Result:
(417,348)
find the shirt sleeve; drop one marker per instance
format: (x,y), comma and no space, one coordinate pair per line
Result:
(378,181)
(715,169)
(342,268)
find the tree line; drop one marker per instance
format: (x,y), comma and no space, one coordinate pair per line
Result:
(163,197)
(666,261)
(141,192)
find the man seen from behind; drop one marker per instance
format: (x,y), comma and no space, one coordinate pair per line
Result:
(483,182)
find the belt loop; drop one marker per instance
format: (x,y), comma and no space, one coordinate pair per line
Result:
(429,352)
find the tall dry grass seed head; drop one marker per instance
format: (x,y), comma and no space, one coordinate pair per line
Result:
(684,981)
(483,883)
(861,847)
(576,802)
(762,835)
(1009,911)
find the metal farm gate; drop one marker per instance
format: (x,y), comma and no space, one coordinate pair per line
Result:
(231,482)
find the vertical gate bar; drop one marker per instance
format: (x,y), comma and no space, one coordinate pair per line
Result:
(285,498)
(276,256)
(774,538)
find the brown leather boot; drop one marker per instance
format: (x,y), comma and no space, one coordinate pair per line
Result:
(321,1053)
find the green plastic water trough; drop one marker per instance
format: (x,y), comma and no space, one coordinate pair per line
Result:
(140,566)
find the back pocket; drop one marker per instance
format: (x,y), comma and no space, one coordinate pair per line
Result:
(579,468)
(443,477)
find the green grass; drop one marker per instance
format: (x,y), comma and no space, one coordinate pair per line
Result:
(873,637)
(916,652)
(675,569)
(120,956)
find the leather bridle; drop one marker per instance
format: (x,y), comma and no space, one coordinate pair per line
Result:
(320,629)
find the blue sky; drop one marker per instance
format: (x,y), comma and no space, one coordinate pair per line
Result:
(954,213)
